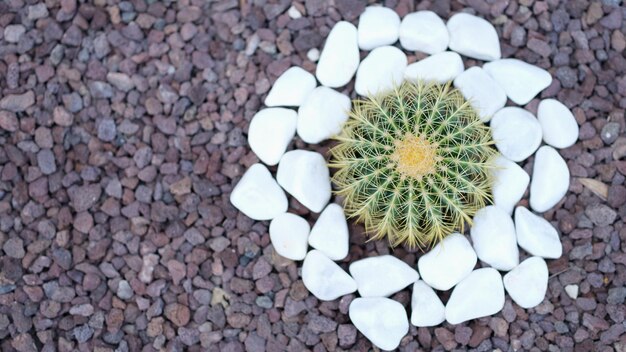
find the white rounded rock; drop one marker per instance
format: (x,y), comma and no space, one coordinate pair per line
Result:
(520,81)
(382,276)
(322,114)
(483,92)
(291,88)
(493,236)
(378,26)
(424,31)
(324,278)
(572,291)
(340,57)
(516,132)
(528,282)
(382,320)
(270,132)
(380,71)
(449,262)
(313,54)
(473,37)
(440,68)
(550,179)
(330,233)
(304,175)
(426,307)
(559,126)
(509,183)
(289,234)
(480,294)
(257,194)
(536,235)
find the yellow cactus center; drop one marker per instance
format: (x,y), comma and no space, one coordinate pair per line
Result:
(415,156)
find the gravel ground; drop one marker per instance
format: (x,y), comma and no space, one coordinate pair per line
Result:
(123,131)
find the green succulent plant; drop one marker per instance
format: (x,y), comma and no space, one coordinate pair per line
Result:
(413,164)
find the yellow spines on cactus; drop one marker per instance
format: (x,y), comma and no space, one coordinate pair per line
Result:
(414,164)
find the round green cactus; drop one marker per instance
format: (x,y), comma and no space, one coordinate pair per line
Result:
(414,164)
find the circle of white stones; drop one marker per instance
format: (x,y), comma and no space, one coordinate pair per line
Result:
(495,234)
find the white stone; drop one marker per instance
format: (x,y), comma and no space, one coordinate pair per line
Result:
(270,132)
(441,68)
(380,71)
(257,194)
(509,183)
(559,126)
(493,236)
(480,294)
(517,133)
(313,54)
(294,13)
(378,26)
(485,94)
(449,262)
(330,233)
(304,175)
(291,88)
(424,31)
(322,115)
(426,307)
(289,234)
(520,81)
(536,235)
(473,37)
(340,57)
(550,179)
(324,278)
(382,276)
(381,320)
(528,282)
(572,291)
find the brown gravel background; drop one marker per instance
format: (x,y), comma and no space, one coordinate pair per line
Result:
(123,130)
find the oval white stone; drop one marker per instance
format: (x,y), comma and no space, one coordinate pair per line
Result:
(440,68)
(480,294)
(448,262)
(380,71)
(324,278)
(322,114)
(270,132)
(378,26)
(340,57)
(509,183)
(426,307)
(521,81)
(257,194)
(473,37)
(382,320)
(304,175)
(424,31)
(291,88)
(382,276)
(536,235)
(517,133)
(493,236)
(550,179)
(485,94)
(528,282)
(559,126)
(330,233)
(289,234)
